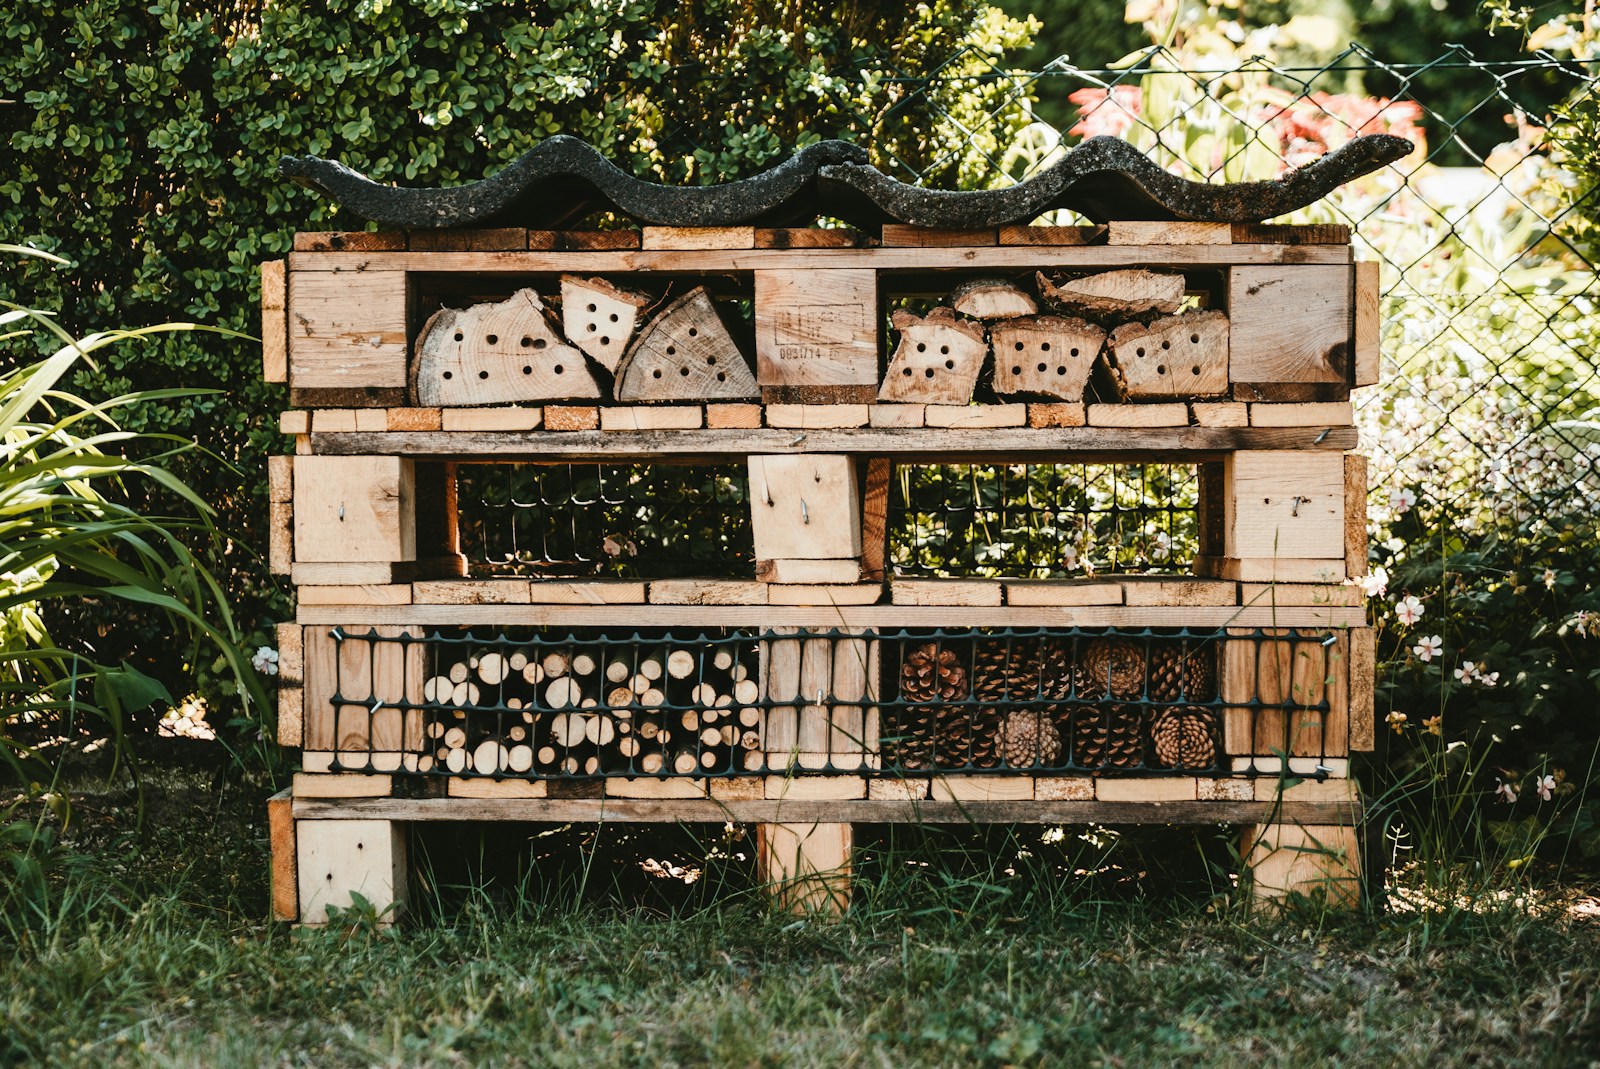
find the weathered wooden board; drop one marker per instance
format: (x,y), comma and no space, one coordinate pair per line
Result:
(347,329)
(1284,505)
(274,321)
(1289,324)
(816,333)
(498,354)
(685,353)
(354,509)
(992,298)
(806,507)
(1368,323)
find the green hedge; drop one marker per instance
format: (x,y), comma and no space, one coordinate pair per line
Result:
(145,134)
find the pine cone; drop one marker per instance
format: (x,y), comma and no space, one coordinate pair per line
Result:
(1029,740)
(1183,670)
(1112,667)
(929,675)
(1185,737)
(1003,672)
(1108,736)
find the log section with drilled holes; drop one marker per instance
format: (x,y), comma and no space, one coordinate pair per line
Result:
(1172,358)
(937,360)
(499,353)
(685,353)
(600,318)
(1045,356)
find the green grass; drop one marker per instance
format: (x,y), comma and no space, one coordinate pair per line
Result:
(561,953)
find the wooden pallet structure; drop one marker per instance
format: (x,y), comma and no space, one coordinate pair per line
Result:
(823,690)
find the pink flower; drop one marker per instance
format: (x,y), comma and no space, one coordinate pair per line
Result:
(1376,584)
(1506,791)
(1467,672)
(1545,786)
(1408,609)
(1428,648)
(1402,501)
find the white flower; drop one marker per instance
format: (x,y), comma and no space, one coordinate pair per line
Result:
(1069,557)
(1467,672)
(1549,578)
(1490,680)
(1402,500)
(1408,609)
(1376,584)
(1580,622)
(265,661)
(1506,791)
(1545,786)
(1428,648)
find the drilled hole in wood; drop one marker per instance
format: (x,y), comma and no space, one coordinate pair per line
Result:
(683,371)
(448,375)
(1061,370)
(458,336)
(672,350)
(1015,370)
(527,370)
(1161,369)
(950,365)
(1074,351)
(539,343)
(589,308)
(1194,339)
(483,374)
(613,317)
(1044,347)
(922,347)
(1139,351)
(929,373)
(944,350)
(591,328)
(1020,346)
(722,376)
(558,369)
(656,374)
(694,332)
(1195,370)
(711,361)
(493,339)
(605,341)
(526,342)
(907,371)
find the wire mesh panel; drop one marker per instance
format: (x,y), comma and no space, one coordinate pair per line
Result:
(637,521)
(538,705)
(1042,521)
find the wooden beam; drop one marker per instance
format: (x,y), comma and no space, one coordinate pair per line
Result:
(1368,324)
(338,858)
(274,322)
(285,877)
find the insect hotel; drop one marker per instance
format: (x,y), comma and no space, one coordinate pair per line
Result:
(940,517)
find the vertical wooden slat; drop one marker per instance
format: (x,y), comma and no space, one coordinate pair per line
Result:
(285,881)
(875,519)
(274,322)
(1368,339)
(1355,514)
(1363,670)
(291,683)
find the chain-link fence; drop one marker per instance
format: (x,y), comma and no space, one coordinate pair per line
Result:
(1490,401)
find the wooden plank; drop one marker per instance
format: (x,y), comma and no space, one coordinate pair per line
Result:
(1074,592)
(342,785)
(472,592)
(906,258)
(1051,235)
(1318,861)
(350,573)
(1220,414)
(1076,444)
(735,416)
(503,239)
(1187,590)
(590,241)
(644,787)
(1289,324)
(338,858)
(805,507)
(1290,393)
(1063,788)
(707,592)
(825,594)
(484,787)
(976,417)
(414,419)
(1063,414)
(566,418)
(945,592)
(1368,339)
(1225,790)
(982,788)
(514,418)
(586,592)
(896,415)
(1156,415)
(280,836)
(901,790)
(1280,570)
(274,321)
(334,420)
(806,867)
(656,238)
(1292,233)
(280,537)
(1357,546)
(386,594)
(816,330)
(814,417)
(875,519)
(814,788)
(917,809)
(1348,791)
(354,509)
(294,423)
(926,237)
(347,329)
(351,241)
(1145,788)
(1299,594)
(1164,232)
(809,571)
(1284,505)
(737,788)
(1321,675)
(1307,414)
(734,611)
(1363,673)
(810,237)
(1181,356)
(291,682)
(652,418)
(936,360)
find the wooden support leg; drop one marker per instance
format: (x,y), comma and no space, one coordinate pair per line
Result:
(1319,861)
(280,828)
(806,866)
(341,857)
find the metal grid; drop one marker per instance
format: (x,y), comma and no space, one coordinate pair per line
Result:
(581,520)
(1042,521)
(583,706)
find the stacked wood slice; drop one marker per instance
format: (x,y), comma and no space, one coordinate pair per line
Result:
(590,709)
(1046,336)
(514,350)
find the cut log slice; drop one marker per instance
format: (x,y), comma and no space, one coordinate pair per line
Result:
(1045,356)
(1179,356)
(600,318)
(937,360)
(992,298)
(685,354)
(1117,294)
(493,354)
